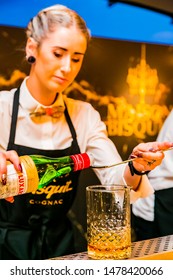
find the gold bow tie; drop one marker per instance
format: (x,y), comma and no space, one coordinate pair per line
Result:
(54,112)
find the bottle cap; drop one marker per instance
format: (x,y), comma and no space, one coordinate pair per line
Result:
(81,161)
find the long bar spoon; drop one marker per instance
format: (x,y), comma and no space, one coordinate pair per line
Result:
(123,162)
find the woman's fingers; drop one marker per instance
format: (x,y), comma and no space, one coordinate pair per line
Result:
(13,157)
(149,155)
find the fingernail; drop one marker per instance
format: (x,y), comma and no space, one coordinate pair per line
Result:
(139,154)
(10,199)
(20,167)
(4,179)
(132,156)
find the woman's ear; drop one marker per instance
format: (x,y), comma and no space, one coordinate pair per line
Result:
(31,48)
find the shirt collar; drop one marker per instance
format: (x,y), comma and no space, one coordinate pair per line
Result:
(30,104)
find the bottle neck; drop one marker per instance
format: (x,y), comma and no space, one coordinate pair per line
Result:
(81,161)
(78,161)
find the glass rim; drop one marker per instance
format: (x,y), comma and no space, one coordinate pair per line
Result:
(108,187)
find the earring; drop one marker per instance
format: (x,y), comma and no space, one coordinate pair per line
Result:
(31,59)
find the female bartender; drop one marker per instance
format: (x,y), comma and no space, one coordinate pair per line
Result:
(35,225)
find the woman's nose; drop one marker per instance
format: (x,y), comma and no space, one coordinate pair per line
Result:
(66,66)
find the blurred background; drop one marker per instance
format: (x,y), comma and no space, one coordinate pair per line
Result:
(127,20)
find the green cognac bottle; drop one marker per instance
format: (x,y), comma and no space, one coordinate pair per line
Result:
(39,171)
(51,168)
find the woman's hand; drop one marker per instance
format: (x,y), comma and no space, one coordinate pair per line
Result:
(13,157)
(149,155)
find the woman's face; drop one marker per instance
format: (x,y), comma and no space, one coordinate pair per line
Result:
(59,58)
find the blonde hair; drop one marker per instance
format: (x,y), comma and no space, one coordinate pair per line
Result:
(47,19)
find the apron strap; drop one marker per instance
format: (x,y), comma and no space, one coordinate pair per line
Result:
(14,117)
(72,130)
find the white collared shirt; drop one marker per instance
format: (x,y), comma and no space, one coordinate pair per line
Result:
(161,177)
(49,134)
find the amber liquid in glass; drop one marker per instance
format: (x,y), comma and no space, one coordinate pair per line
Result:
(112,244)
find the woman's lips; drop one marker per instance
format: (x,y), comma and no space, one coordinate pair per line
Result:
(60,80)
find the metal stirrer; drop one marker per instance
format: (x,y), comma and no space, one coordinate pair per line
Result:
(123,162)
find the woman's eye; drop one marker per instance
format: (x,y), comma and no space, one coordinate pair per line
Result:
(57,54)
(75,60)
(60,55)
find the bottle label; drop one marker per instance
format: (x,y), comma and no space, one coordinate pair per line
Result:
(81,161)
(16,183)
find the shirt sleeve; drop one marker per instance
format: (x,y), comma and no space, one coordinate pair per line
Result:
(162,176)
(144,190)
(105,153)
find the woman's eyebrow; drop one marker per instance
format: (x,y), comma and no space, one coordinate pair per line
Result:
(64,49)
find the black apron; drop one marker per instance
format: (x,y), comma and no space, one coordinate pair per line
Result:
(163,211)
(163,218)
(36,226)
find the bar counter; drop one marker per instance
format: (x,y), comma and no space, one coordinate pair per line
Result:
(160,248)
